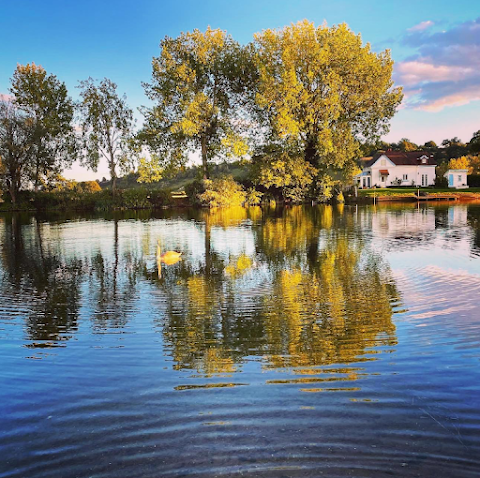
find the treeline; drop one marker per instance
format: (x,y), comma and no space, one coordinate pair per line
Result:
(297,105)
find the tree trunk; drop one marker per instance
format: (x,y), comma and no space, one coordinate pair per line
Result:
(13,192)
(311,152)
(113,174)
(204,157)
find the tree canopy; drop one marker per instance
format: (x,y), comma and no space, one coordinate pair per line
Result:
(198,92)
(107,123)
(324,91)
(17,133)
(44,99)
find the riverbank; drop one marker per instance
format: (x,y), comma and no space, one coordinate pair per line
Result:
(415,194)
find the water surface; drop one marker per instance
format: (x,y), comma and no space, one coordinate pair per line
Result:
(297,342)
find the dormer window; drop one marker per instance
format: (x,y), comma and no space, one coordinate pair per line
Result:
(424,159)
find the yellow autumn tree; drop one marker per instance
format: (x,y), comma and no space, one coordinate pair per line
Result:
(322,90)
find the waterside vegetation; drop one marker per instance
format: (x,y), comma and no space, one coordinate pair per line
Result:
(292,112)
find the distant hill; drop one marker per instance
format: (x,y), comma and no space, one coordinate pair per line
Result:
(239,171)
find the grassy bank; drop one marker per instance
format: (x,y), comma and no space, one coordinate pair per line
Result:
(411,192)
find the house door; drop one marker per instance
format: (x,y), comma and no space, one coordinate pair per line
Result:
(368,181)
(450,180)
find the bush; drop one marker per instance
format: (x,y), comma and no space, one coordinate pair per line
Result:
(441,182)
(193,190)
(222,192)
(137,198)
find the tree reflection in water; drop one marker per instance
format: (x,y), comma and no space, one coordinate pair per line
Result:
(42,280)
(312,295)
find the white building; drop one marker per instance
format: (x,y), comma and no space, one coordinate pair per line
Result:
(457,178)
(396,168)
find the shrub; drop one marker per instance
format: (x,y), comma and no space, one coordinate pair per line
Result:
(222,192)
(135,198)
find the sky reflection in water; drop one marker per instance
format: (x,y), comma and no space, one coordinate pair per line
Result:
(109,367)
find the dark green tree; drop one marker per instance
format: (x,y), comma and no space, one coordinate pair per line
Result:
(17,133)
(44,99)
(474,143)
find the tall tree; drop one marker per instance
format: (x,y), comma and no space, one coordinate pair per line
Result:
(107,126)
(45,99)
(17,132)
(199,89)
(324,91)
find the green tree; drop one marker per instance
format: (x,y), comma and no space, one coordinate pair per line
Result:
(17,133)
(324,91)
(107,126)
(44,99)
(454,148)
(474,144)
(430,145)
(199,94)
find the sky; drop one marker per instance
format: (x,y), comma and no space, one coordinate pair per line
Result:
(435,45)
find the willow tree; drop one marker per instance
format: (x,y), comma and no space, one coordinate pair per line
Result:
(199,92)
(107,126)
(324,92)
(43,98)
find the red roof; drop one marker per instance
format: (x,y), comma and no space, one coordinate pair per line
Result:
(399,158)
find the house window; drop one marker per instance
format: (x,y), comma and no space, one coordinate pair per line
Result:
(405,177)
(459,178)
(424,160)
(383,162)
(424,180)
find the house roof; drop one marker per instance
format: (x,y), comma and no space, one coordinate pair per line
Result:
(399,158)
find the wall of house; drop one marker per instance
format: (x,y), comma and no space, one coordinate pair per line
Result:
(459,179)
(413,173)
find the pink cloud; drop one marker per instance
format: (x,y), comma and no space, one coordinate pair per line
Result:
(460,98)
(421,26)
(414,72)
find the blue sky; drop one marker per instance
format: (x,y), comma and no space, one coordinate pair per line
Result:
(435,44)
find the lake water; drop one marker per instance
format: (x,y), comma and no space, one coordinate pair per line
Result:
(298,342)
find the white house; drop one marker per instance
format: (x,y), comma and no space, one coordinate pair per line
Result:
(457,178)
(396,168)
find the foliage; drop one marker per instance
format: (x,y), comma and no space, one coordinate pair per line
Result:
(198,90)
(17,133)
(253,197)
(474,143)
(149,170)
(323,92)
(222,192)
(470,163)
(289,173)
(45,101)
(454,148)
(406,145)
(107,124)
